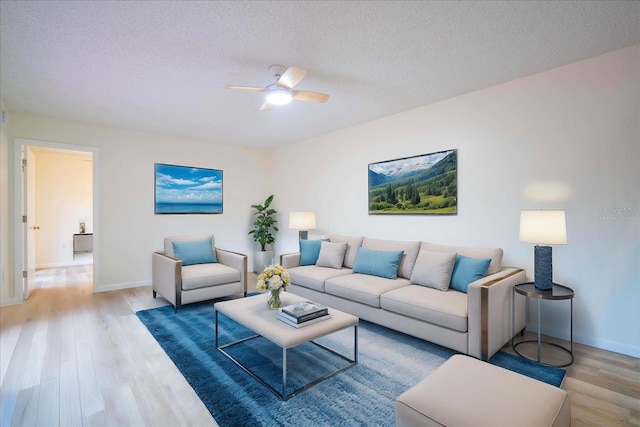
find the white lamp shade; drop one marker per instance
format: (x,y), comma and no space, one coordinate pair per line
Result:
(302,221)
(543,226)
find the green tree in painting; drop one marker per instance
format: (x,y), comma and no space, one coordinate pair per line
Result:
(391,195)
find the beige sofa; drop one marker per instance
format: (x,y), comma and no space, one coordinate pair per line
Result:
(477,323)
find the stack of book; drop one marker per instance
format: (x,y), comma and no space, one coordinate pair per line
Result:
(303,314)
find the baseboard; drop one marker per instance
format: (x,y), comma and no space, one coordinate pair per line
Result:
(604,344)
(59,265)
(11,301)
(53,265)
(119,286)
(616,347)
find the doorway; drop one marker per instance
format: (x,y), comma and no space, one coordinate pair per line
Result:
(56,205)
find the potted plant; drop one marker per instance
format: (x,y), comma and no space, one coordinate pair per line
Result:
(263,225)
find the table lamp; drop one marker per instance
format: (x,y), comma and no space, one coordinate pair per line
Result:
(302,221)
(543,227)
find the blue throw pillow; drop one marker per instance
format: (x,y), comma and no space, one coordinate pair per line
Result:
(309,251)
(467,270)
(194,251)
(378,263)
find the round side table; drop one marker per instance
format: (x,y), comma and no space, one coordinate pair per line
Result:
(557,292)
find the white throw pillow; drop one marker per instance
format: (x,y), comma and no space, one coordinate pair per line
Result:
(433,269)
(331,254)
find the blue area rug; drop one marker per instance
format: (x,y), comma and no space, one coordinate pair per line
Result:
(389,363)
(547,374)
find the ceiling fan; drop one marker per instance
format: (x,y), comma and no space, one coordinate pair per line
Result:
(281,92)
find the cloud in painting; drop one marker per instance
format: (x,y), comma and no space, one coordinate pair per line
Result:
(403,166)
(186,185)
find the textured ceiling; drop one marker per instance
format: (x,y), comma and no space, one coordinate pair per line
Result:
(161,66)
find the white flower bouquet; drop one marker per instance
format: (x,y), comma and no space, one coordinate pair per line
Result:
(274,279)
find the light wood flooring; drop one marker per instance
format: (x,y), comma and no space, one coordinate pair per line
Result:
(70,357)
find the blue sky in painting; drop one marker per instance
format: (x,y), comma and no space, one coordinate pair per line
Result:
(410,163)
(182,184)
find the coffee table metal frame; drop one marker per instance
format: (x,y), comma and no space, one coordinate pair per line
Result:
(283,394)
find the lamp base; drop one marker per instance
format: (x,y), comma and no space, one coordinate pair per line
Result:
(543,278)
(302,234)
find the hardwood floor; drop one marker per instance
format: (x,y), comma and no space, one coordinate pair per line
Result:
(70,357)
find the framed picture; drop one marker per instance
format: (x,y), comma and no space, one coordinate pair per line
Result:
(424,184)
(187,190)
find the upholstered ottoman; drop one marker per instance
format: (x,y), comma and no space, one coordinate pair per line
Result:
(468,392)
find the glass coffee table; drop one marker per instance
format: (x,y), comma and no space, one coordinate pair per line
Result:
(252,313)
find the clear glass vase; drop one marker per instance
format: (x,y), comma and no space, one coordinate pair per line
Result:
(273,299)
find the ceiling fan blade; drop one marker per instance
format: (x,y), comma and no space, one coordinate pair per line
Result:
(266,106)
(291,77)
(247,88)
(303,95)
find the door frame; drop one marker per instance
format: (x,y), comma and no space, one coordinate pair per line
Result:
(18,197)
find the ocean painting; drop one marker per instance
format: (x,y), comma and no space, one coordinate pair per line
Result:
(187,190)
(424,184)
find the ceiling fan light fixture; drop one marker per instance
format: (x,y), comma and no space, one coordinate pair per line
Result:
(277,95)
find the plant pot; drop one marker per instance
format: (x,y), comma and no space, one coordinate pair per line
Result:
(261,260)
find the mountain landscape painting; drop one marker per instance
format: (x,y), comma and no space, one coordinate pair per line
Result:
(424,184)
(187,190)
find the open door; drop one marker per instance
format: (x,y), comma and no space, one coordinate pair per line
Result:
(29,226)
(26,224)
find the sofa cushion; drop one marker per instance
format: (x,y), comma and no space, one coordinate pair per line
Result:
(194,251)
(331,254)
(205,275)
(378,263)
(448,309)
(410,250)
(353,243)
(313,277)
(494,253)
(362,288)
(433,269)
(467,270)
(309,251)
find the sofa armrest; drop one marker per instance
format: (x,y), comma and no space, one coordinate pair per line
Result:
(290,260)
(489,307)
(166,277)
(235,260)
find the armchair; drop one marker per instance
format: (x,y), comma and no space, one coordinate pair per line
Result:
(200,275)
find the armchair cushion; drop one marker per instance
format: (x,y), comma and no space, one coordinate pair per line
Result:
(206,275)
(192,252)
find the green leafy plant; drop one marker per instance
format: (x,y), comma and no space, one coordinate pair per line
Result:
(264,223)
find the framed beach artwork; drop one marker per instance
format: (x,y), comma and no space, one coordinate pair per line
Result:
(423,184)
(187,190)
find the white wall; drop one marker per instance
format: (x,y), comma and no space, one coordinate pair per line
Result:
(127,228)
(566,139)
(64,197)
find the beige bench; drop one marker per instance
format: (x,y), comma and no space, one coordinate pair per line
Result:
(468,392)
